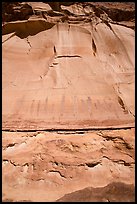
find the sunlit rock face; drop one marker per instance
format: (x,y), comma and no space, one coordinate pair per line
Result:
(67,69)
(68,92)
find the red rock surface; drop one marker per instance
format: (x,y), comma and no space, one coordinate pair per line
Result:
(68,67)
(81,77)
(43,166)
(111,193)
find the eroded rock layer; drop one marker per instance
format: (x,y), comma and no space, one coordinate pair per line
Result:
(44,166)
(111,193)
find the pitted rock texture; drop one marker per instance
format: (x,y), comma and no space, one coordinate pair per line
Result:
(37,164)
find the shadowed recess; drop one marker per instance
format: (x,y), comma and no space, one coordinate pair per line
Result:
(25,28)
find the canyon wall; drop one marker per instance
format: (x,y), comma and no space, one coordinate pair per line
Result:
(68,101)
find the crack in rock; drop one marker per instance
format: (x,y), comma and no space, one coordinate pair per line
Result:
(94,47)
(11,145)
(29,44)
(119,161)
(92,164)
(120,101)
(57,171)
(113,138)
(61,56)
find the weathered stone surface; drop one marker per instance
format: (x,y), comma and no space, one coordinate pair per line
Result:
(68,95)
(114,192)
(116,11)
(82,77)
(15,11)
(41,163)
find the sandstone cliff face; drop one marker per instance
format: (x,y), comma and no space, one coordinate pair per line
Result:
(76,69)
(68,67)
